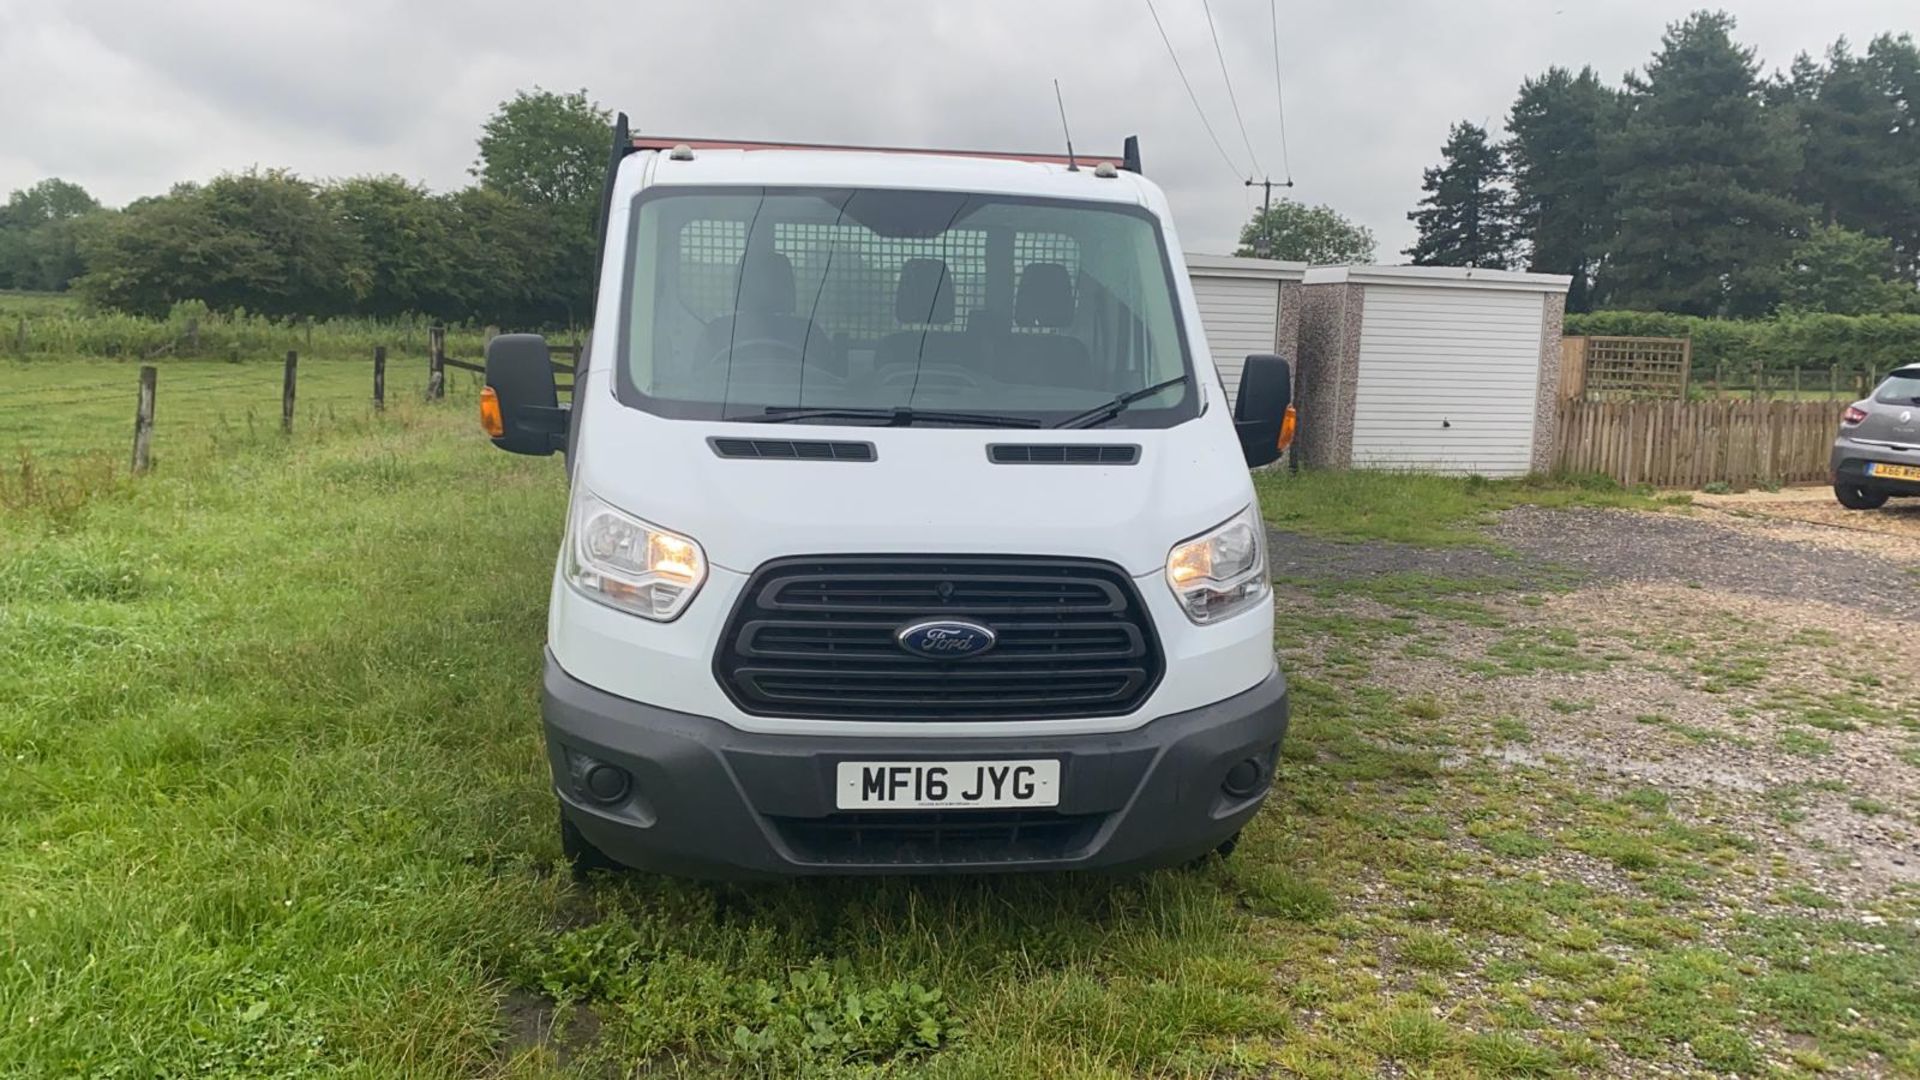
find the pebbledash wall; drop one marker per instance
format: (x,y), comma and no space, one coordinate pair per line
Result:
(1246,306)
(1439,369)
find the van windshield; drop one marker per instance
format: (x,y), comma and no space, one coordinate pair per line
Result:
(749,302)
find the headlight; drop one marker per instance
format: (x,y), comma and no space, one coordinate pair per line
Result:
(1223,571)
(624,562)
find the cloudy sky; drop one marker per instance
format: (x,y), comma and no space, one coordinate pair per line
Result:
(129,96)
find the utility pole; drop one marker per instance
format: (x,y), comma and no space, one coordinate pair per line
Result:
(1260,245)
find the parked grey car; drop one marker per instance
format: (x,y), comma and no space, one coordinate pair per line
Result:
(1877,455)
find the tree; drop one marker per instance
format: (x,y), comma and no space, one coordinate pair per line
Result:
(1844,272)
(1562,202)
(256,240)
(1860,119)
(546,149)
(1895,62)
(398,236)
(1309,234)
(508,263)
(1466,218)
(52,199)
(1704,216)
(38,235)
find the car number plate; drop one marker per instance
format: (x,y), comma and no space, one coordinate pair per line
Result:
(1894,472)
(935,785)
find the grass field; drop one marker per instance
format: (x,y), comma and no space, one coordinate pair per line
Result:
(66,423)
(71,407)
(272,803)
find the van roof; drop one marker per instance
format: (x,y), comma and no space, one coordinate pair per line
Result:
(725,161)
(668,142)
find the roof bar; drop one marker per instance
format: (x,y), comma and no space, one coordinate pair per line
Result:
(668,142)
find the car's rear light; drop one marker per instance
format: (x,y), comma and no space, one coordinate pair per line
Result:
(1855,414)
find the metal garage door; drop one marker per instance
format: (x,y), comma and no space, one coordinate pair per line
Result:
(1240,315)
(1447,380)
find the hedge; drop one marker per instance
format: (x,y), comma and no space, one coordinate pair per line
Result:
(28,329)
(1783,343)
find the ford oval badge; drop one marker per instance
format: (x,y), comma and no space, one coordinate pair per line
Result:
(945,639)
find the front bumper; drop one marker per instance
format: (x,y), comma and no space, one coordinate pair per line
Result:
(710,800)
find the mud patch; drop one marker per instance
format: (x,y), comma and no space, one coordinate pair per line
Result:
(534,1023)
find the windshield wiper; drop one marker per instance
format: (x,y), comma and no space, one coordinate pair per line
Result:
(899,416)
(1100,414)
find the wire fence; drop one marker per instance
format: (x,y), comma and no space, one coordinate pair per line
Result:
(71,412)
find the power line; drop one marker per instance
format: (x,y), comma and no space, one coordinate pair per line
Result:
(1191,96)
(1228,79)
(1279,94)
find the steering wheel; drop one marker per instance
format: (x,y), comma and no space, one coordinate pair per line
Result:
(762,352)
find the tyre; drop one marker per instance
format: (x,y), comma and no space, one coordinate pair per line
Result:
(581,855)
(1854,497)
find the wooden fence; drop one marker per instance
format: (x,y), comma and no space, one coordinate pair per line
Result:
(437,364)
(1691,443)
(1625,368)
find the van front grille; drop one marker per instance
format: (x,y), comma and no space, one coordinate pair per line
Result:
(816,639)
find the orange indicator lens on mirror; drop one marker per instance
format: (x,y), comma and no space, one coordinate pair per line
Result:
(490,420)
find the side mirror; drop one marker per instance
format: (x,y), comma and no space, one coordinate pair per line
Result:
(1263,409)
(520,406)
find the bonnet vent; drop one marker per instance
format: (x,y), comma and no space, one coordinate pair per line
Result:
(793,449)
(1062,454)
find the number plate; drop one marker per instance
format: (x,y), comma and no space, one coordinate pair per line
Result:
(939,785)
(1894,472)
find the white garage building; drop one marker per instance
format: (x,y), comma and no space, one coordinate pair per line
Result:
(1246,306)
(1442,369)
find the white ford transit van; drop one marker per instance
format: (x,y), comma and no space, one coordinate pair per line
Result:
(910,528)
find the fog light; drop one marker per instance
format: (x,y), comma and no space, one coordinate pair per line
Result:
(1243,779)
(606,783)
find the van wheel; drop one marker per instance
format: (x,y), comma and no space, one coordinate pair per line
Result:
(581,855)
(1854,497)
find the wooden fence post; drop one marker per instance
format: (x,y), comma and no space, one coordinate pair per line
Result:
(286,393)
(379,378)
(143,419)
(20,336)
(436,363)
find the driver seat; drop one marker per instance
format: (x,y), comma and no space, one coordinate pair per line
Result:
(763,324)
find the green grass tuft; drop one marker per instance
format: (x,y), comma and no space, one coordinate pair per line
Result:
(1418,508)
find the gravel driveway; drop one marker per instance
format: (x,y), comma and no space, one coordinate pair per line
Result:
(1685,744)
(1715,656)
(1753,557)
